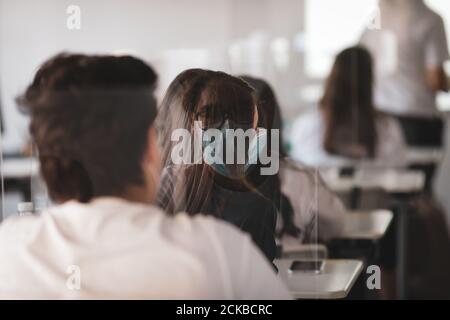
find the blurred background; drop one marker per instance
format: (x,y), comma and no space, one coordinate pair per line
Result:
(291,43)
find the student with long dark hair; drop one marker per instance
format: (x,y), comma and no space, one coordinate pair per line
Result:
(237,193)
(302,186)
(346,127)
(92,119)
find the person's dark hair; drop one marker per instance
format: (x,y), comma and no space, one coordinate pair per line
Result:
(269,111)
(269,117)
(90,117)
(347,106)
(212,97)
(170,116)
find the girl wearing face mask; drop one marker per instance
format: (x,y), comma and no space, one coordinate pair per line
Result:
(211,106)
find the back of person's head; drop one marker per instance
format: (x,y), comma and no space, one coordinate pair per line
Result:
(171,116)
(214,100)
(347,106)
(269,117)
(90,120)
(269,111)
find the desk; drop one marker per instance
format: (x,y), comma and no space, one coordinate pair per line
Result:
(20,168)
(303,251)
(424,155)
(360,238)
(401,185)
(335,281)
(370,225)
(388,180)
(17,173)
(426,160)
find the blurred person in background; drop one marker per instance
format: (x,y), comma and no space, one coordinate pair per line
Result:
(346,128)
(316,211)
(409,52)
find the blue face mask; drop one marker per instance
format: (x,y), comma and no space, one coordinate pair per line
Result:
(213,151)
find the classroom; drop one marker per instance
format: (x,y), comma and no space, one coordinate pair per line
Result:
(223,150)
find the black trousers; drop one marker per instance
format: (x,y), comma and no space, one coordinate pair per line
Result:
(424,132)
(418,132)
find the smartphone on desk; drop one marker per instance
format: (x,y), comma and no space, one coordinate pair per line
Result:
(307,266)
(347,172)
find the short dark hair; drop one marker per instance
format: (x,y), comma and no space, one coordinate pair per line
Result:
(90,117)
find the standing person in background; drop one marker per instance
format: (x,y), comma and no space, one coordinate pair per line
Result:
(409,53)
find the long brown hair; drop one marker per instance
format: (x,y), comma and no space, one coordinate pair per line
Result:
(269,111)
(270,117)
(210,96)
(347,106)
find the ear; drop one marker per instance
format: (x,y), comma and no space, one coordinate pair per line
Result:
(152,154)
(151,165)
(255,117)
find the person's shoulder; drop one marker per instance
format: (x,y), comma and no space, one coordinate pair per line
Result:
(205,226)
(290,165)
(296,170)
(433,18)
(168,172)
(432,14)
(306,123)
(19,229)
(206,234)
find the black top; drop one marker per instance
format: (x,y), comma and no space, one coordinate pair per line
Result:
(252,211)
(2,129)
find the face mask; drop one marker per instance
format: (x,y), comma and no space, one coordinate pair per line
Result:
(257,145)
(213,146)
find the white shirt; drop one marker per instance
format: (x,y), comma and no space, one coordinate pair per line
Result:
(307,138)
(129,250)
(317,209)
(411,39)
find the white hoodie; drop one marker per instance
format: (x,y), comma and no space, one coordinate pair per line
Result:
(114,249)
(317,210)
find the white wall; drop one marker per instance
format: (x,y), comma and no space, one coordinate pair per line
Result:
(31,31)
(171,34)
